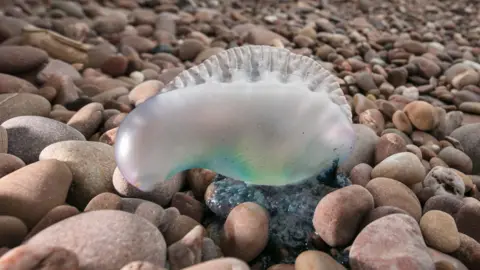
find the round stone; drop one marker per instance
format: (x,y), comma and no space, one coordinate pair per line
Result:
(456,159)
(393,241)
(88,119)
(92,165)
(387,145)
(404,167)
(440,231)
(360,174)
(162,193)
(444,181)
(468,218)
(53,216)
(9,163)
(19,59)
(245,232)
(144,91)
(27,257)
(373,119)
(30,192)
(468,252)
(422,115)
(389,192)
(105,239)
(338,215)
(22,104)
(401,122)
(446,203)
(364,148)
(380,212)
(29,135)
(13,231)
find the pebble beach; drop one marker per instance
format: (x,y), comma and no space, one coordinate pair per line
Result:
(406,198)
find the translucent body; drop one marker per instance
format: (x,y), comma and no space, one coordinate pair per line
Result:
(248,119)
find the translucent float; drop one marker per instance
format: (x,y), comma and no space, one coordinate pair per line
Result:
(258,114)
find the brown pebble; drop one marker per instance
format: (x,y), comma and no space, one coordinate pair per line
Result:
(468,218)
(12,84)
(245,232)
(105,200)
(114,121)
(12,232)
(445,181)
(444,265)
(20,59)
(99,240)
(427,153)
(425,194)
(389,192)
(112,104)
(456,159)
(446,203)
(361,104)
(393,241)
(9,163)
(380,212)
(415,150)
(360,174)
(198,180)
(316,260)
(210,250)
(26,257)
(178,228)
(188,206)
(22,104)
(468,252)
(188,250)
(404,167)
(109,136)
(55,215)
(440,231)
(115,65)
(62,115)
(338,214)
(48,92)
(144,91)
(422,115)
(388,145)
(401,122)
(436,161)
(161,195)
(373,118)
(30,192)
(190,48)
(87,119)
(438,256)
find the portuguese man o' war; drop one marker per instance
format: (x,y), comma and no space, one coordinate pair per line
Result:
(258,114)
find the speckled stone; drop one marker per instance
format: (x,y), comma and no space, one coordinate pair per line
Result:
(105,239)
(394,241)
(29,135)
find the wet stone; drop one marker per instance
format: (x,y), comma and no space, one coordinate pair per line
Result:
(290,208)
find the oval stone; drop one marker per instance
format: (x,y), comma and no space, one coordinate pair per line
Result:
(105,239)
(391,242)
